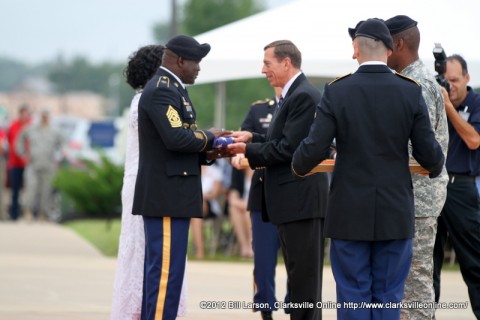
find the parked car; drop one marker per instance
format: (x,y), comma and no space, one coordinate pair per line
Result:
(86,138)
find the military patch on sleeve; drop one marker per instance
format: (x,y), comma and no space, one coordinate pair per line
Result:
(407,78)
(173,117)
(339,78)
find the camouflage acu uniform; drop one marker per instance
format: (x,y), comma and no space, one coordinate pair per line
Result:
(430,195)
(44,142)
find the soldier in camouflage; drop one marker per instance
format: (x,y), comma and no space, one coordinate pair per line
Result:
(430,194)
(38,144)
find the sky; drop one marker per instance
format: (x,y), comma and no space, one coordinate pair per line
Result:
(34,31)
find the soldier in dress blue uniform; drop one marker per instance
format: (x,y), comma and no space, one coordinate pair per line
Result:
(168,189)
(370,217)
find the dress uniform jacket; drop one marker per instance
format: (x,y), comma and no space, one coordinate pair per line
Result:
(171,151)
(371,193)
(289,199)
(258,120)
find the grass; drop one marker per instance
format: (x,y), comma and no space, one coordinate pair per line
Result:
(104,235)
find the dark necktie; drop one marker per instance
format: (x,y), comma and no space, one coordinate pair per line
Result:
(280,101)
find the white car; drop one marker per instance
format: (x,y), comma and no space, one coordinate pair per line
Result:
(86,139)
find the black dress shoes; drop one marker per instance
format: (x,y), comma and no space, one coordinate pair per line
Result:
(267,315)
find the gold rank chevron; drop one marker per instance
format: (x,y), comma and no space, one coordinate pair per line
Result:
(173,117)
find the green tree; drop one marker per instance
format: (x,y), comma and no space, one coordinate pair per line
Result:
(241,94)
(13,72)
(161,32)
(79,74)
(205,15)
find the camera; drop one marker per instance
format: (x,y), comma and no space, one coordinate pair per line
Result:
(441,66)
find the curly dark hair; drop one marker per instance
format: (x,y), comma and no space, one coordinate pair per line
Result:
(142,65)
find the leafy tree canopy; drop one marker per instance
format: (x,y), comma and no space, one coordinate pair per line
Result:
(205,15)
(14,72)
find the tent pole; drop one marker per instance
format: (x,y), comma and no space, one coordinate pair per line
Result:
(220,104)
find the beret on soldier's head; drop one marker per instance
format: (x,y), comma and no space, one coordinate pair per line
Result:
(400,23)
(352,31)
(188,48)
(376,29)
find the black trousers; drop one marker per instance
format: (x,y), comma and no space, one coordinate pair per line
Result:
(302,244)
(460,220)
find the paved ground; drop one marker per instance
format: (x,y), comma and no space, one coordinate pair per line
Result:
(47,272)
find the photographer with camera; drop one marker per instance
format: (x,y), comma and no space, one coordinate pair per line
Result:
(441,66)
(429,193)
(460,217)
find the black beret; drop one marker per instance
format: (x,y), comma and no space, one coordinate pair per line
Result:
(375,29)
(188,48)
(400,23)
(352,31)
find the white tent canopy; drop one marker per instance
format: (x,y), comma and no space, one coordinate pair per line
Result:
(319,29)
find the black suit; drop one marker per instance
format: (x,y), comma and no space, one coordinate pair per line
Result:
(372,114)
(168,190)
(295,206)
(288,199)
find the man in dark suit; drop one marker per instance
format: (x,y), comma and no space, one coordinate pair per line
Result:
(294,206)
(265,241)
(168,189)
(372,114)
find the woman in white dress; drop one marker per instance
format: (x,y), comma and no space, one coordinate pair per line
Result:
(128,282)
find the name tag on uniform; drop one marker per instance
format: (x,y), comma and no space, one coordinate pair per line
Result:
(266,121)
(464,114)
